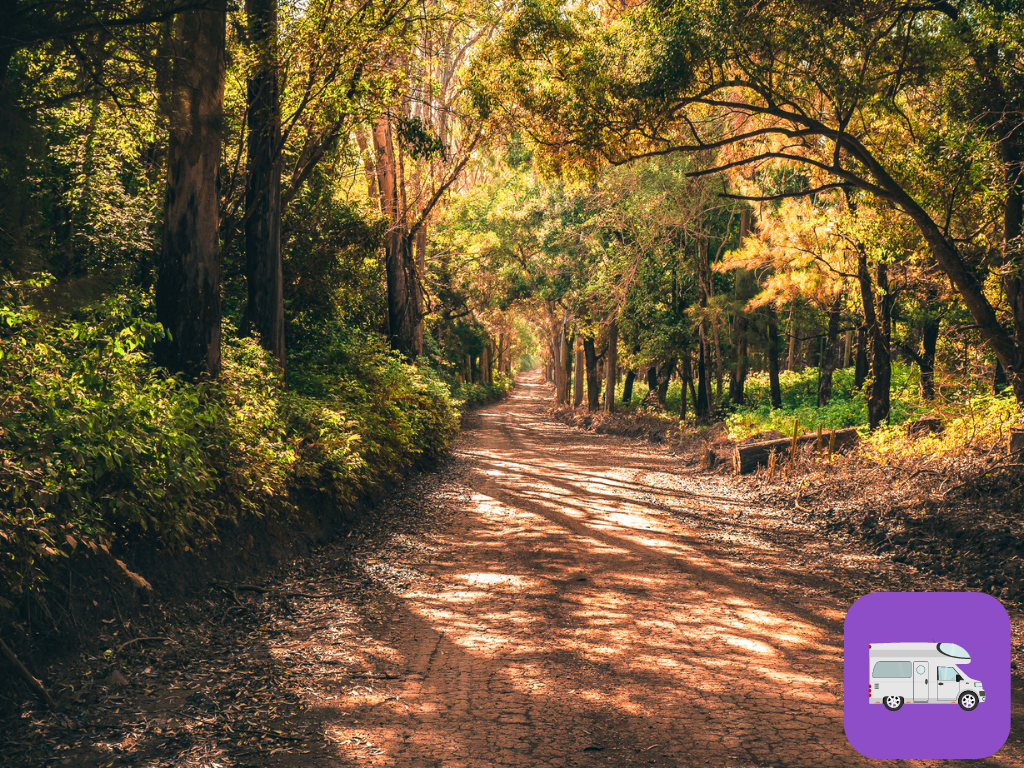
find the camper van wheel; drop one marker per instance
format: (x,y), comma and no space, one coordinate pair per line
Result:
(892,703)
(968,700)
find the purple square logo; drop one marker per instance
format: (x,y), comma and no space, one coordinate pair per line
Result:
(937,667)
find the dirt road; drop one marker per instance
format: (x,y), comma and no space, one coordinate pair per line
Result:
(593,603)
(547,597)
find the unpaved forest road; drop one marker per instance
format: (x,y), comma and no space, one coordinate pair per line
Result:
(584,608)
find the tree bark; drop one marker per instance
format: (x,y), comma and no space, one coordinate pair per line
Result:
(264,312)
(929,341)
(399,259)
(860,372)
(577,397)
(593,382)
(420,239)
(687,376)
(611,366)
(561,368)
(702,404)
(738,375)
(627,387)
(791,331)
(740,325)
(188,280)
(999,379)
(664,377)
(775,390)
(1012,155)
(877,319)
(833,351)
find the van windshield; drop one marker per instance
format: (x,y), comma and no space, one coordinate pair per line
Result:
(954,650)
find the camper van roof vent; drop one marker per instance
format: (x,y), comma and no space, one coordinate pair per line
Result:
(953,650)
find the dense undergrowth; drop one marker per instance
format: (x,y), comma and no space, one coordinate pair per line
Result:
(970,413)
(98,447)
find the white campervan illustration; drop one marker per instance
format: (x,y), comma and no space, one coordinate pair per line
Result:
(922,673)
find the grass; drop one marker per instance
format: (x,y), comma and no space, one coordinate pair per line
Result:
(971,414)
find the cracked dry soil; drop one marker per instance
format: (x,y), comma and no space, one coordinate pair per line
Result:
(551,597)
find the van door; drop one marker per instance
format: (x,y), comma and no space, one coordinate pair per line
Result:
(920,681)
(946,685)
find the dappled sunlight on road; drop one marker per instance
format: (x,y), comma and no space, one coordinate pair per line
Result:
(579,613)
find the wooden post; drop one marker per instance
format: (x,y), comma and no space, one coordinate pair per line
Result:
(817,445)
(796,435)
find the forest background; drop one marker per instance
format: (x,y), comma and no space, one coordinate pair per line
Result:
(262,251)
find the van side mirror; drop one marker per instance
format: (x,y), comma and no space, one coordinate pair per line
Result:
(959,679)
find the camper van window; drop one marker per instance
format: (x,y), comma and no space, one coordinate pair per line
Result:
(891,669)
(954,650)
(947,674)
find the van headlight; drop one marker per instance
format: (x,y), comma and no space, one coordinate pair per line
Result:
(977,684)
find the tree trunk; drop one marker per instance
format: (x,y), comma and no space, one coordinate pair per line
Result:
(775,390)
(687,375)
(264,312)
(877,306)
(652,382)
(791,332)
(999,380)
(399,259)
(577,397)
(740,324)
(421,270)
(848,348)
(833,351)
(611,364)
(946,253)
(570,345)
(627,387)
(702,407)
(1012,155)
(929,341)
(593,382)
(702,404)
(562,369)
(860,372)
(738,375)
(188,282)
(664,377)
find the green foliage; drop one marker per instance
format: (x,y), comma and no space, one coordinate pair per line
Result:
(97,446)
(969,413)
(476,394)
